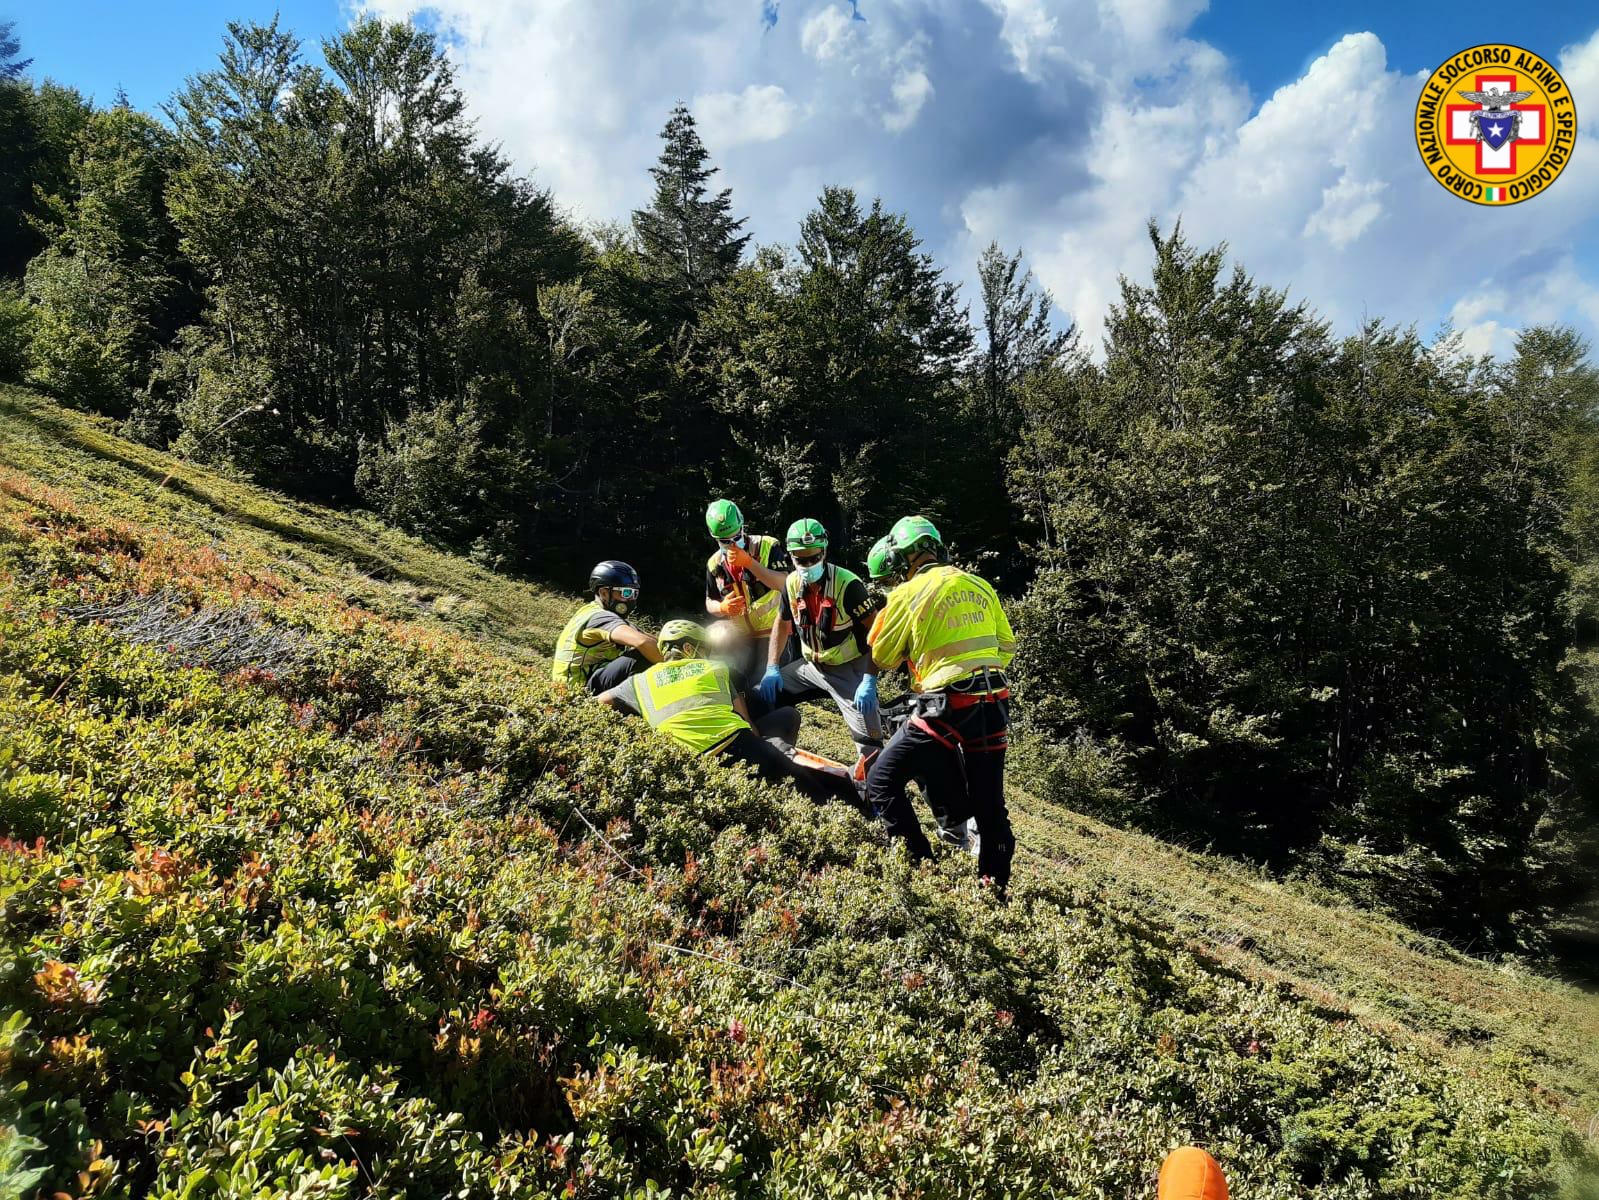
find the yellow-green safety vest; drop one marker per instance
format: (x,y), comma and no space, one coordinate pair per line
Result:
(833,642)
(761,614)
(690,701)
(948,623)
(577,659)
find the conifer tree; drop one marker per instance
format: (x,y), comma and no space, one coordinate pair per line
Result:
(104,286)
(39,127)
(1018,335)
(12,64)
(690,238)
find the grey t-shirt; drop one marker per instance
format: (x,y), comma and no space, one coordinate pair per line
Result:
(604,619)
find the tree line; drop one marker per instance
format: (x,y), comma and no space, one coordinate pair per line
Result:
(1323,601)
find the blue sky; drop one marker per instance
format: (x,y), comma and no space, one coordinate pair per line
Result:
(146,48)
(1059,126)
(1270,51)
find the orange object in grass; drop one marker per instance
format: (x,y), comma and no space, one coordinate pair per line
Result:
(1190,1174)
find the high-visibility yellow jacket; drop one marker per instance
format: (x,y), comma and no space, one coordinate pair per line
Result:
(830,641)
(690,701)
(947,624)
(579,651)
(761,614)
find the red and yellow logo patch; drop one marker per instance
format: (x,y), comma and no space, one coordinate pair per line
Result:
(1496,124)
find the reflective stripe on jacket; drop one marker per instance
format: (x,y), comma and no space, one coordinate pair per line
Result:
(690,701)
(763,601)
(948,623)
(577,659)
(831,640)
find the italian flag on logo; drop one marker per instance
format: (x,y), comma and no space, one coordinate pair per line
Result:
(1494,193)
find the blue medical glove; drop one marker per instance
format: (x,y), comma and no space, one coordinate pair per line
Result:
(769,684)
(866,697)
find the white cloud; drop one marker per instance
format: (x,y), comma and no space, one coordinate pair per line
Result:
(912,88)
(1061,126)
(1028,31)
(760,113)
(1310,192)
(1152,23)
(911,91)
(1489,317)
(826,32)
(1579,67)
(1347,210)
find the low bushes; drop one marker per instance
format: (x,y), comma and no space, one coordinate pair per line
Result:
(395,917)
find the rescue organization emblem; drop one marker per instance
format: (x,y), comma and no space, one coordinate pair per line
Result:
(1496,124)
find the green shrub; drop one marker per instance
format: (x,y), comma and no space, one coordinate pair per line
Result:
(1089,775)
(221,408)
(16,333)
(400,919)
(85,348)
(434,475)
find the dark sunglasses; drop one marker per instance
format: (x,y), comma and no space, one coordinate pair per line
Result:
(727,541)
(805,560)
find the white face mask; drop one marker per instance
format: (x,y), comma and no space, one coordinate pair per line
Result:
(814,571)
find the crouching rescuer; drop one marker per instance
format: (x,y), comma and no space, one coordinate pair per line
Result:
(691,700)
(948,627)
(599,646)
(830,608)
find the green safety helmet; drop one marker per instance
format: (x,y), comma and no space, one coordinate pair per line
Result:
(807,533)
(909,532)
(681,639)
(883,561)
(723,519)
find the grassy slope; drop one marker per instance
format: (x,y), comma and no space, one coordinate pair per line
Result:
(1411,987)
(360,558)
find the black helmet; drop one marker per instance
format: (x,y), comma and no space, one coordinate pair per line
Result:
(612,573)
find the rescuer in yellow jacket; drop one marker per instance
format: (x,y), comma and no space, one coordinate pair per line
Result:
(744,577)
(744,583)
(949,628)
(691,700)
(600,647)
(827,609)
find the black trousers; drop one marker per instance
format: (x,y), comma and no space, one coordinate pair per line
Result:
(773,765)
(959,784)
(748,665)
(603,679)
